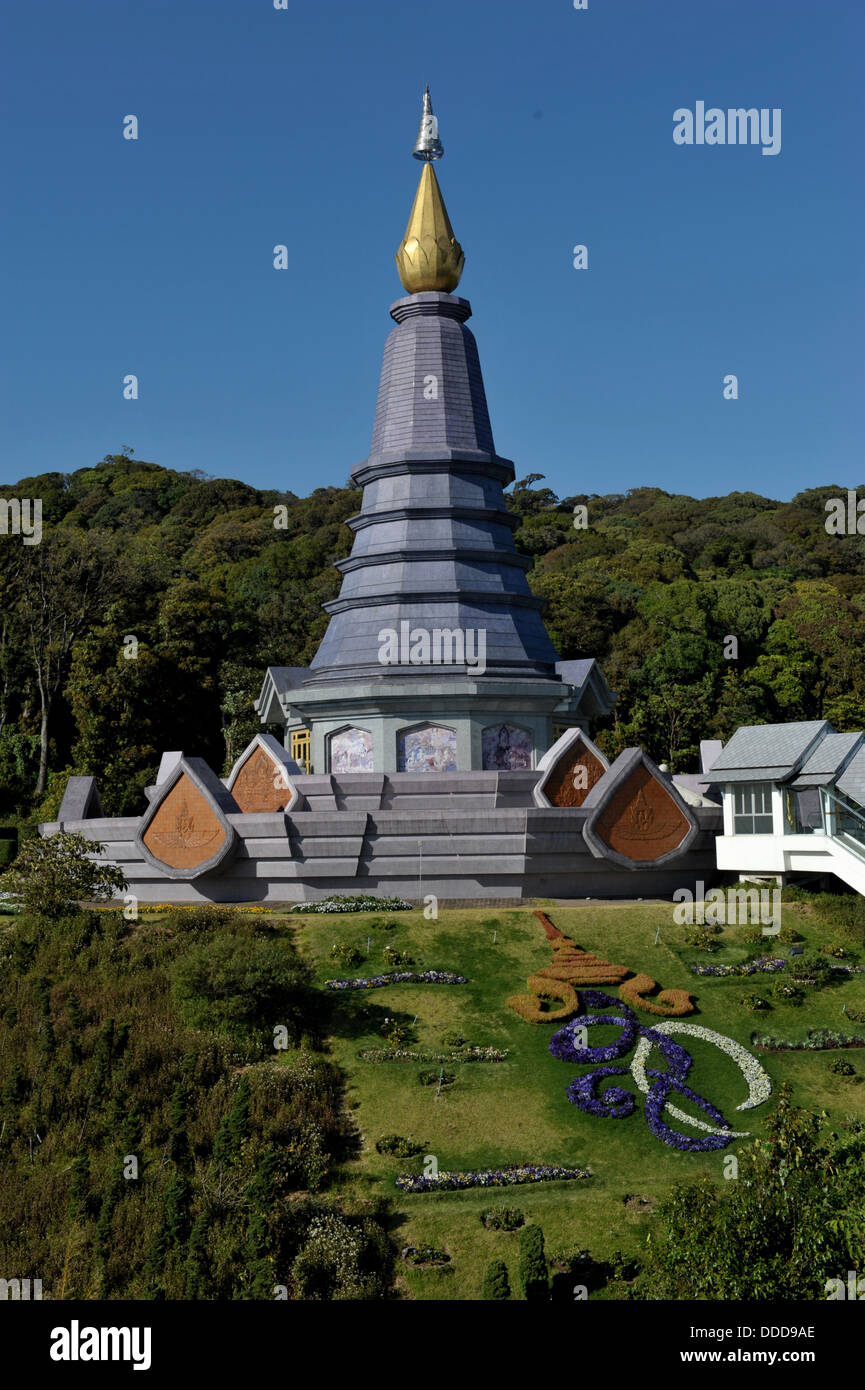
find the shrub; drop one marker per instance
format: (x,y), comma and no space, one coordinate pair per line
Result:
(857,1015)
(496,1280)
(623,1266)
(789,935)
(533,1263)
(52,875)
(209,918)
(786,992)
(425,1255)
(243,985)
(345,954)
(395,958)
(431,1078)
(503,1219)
(453,1040)
(755,1001)
(402,1146)
(839,951)
(811,968)
(704,938)
(841,1067)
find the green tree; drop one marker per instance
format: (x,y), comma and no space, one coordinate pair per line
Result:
(496,1280)
(533,1274)
(794,1218)
(52,874)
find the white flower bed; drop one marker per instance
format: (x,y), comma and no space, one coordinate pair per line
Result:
(759,1085)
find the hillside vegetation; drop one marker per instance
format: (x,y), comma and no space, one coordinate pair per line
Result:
(195,571)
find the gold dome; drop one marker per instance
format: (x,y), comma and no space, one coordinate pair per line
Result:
(429,256)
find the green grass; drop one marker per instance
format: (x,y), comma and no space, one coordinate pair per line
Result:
(517,1111)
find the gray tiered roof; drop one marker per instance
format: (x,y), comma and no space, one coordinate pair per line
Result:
(433,539)
(766,752)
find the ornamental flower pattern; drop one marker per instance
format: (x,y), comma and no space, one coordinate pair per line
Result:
(399,977)
(490,1177)
(617,1103)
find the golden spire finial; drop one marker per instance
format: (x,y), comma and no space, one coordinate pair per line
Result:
(429,256)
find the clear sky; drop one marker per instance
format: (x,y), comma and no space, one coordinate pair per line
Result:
(261,126)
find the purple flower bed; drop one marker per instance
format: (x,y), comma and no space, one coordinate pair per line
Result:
(750,967)
(490,1177)
(616,1103)
(399,977)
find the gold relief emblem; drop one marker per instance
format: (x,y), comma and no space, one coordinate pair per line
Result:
(641,813)
(261,785)
(185,831)
(642,821)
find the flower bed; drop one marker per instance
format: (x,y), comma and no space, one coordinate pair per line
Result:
(748,967)
(400,977)
(358,902)
(466,1054)
(817,1040)
(616,1103)
(490,1177)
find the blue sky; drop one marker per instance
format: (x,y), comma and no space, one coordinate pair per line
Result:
(260,127)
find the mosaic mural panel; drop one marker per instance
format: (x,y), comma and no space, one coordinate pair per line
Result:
(433,749)
(351,750)
(506,748)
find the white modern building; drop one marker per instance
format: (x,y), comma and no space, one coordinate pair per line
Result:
(794,802)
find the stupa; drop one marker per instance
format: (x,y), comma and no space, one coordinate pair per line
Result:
(435,745)
(436,657)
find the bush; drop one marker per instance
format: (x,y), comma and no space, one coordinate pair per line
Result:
(243,985)
(52,875)
(755,1001)
(395,958)
(496,1280)
(431,1078)
(533,1263)
(811,968)
(789,935)
(425,1255)
(503,1219)
(208,917)
(402,1146)
(345,954)
(841,1067)
(839,951)
(786,992)
(704,938)
(453,1040)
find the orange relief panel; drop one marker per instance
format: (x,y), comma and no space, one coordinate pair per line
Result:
(257,785)
(573,777)
(642,821)
(184,832)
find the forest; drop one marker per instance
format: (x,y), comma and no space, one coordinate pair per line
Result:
(145,618)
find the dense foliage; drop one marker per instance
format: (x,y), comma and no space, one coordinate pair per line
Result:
(792,1219)
(141,1157)
(194,569)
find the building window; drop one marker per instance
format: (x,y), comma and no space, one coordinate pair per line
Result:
(299,749)
(351,750)
(752,806)
(506,748)
(429,749)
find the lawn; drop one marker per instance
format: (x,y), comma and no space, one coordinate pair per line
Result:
(516,1111)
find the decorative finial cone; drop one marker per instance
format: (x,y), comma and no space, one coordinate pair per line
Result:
(428,145)
(429,256)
